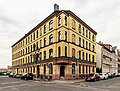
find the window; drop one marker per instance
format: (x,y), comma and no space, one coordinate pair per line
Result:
(93,37)
(89,57)
(40,55)
(86,45)
(73,52)
(50,53)
(59,21)
(83,30)
(23,42)
(83,56)
(66,20)
(65,36)
(44,54)
(73,38)
(73,68)
(37,45)
(86,33)
(83,69)
(50,66)
(93,69)
(93,48)
(40,31)
(31,48)
(59,36)
(31,37)
(28,59)
(37,34)
(80,68)
(31,57)
(86,56)
(34,36)
(34,47)
(44,29)
(65,51)
(89,69)
(59,51)
(44,41)
(51,25)
(89,35)
(86,69)
(79,54)
(26,50)
(51,39)
(33,69)
(93,58)
(79,28)
(79,41)
(89,46)
(83,43)
(40,43)
(26,40)
(73,24)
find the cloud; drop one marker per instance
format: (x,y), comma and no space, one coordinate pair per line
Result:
(17,17)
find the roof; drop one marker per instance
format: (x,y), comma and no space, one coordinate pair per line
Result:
(55,13)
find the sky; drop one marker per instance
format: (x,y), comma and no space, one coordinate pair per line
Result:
(18,17)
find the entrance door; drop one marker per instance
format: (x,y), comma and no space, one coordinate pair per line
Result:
(38,71)
(62,70)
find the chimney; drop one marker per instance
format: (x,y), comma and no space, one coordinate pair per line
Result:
(56,7)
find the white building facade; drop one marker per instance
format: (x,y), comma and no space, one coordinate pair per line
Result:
(106,59)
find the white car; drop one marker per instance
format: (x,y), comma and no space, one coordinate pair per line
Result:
(103,76)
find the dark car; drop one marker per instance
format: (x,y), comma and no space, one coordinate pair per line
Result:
(92,77)
(27,76)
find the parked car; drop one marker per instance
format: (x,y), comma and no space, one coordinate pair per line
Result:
(110,74)
(27,76)
(17,75)
(103,76)
(11,74)
(93,77)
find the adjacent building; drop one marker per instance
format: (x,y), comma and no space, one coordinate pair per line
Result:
(61,46)
(107,58)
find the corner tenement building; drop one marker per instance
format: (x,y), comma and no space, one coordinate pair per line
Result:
(65,47)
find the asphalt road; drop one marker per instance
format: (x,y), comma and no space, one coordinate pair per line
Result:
(13,84)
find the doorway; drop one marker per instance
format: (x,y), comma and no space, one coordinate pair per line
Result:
(62,71)
(38,71)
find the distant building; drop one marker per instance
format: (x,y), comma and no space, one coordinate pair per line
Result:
(61,46)
(118,53)
(107,58)
(3,70)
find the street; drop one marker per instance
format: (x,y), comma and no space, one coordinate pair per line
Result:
(13,84)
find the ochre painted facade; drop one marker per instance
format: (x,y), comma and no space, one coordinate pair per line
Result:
(65,45)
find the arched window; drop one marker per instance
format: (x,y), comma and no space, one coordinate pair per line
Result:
(65,51)
(59,36)
(50,66)
(73,52)
(50,53)
(51,39)
(59,51)
(59,21)
(65,36)
(73,38)
(93,58)
(79,54)
(73,68)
